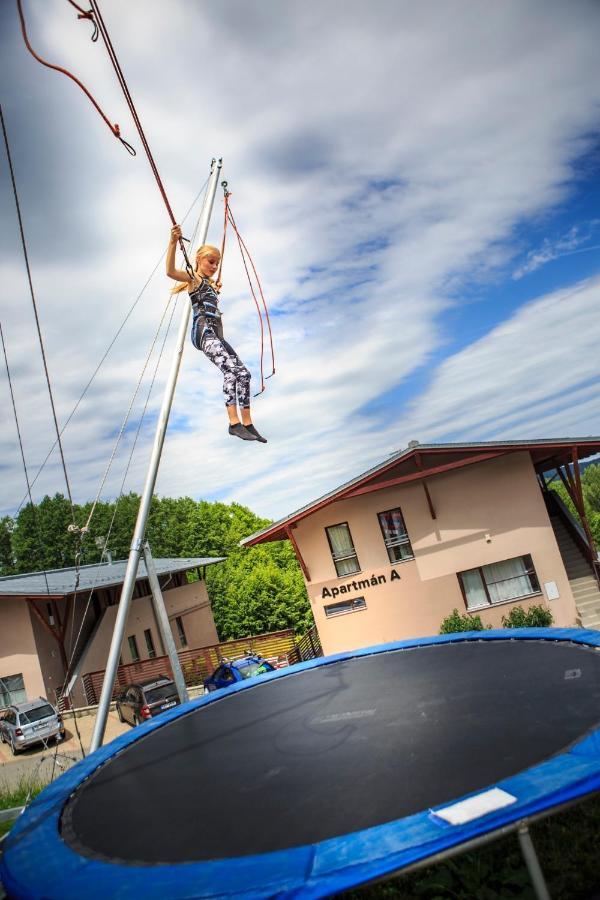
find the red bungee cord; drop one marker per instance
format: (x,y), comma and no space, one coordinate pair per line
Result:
(95,16)
(114,128)
(245,252)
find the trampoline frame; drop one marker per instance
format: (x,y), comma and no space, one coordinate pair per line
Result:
(35,856)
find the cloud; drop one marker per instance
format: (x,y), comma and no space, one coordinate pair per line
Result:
(555,249)
(378,161)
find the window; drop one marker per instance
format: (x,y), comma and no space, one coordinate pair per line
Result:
(181,631)
(395,537)
(499,582)
(342,549)
(12,690)
(149,643)
(346,606)
(133,647)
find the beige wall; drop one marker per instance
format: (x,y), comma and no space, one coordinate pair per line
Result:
(485,513)
(190,602)
(18,652)
(48,651)
(26,647)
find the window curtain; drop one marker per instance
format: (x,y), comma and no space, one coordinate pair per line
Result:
(474,589)
(342,546)
(517,585)
(395,535)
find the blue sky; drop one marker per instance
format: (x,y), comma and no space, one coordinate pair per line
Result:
(419,185)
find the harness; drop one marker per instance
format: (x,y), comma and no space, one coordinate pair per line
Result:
(206,313)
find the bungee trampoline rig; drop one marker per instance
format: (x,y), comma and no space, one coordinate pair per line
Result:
(326,775)
(321,777)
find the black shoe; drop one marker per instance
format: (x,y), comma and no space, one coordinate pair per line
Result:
(255,434)
(239,430)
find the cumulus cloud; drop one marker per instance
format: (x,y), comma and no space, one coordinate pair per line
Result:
(378,160)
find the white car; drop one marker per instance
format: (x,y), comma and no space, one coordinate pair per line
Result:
(24,724)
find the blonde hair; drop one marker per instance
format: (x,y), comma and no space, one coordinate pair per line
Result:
(204,250)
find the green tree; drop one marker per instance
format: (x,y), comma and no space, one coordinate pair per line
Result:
(590,487)
(7,563)
(41,538)
(253,591)
(257,590)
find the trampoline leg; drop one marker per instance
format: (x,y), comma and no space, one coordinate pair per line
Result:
(533,864)
(162,620)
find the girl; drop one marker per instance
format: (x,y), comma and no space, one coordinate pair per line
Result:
(207,334)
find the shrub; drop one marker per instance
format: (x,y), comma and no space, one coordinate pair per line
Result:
(535,617)
(455,622)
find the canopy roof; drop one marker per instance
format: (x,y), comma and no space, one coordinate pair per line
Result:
(420,461)
(62,582)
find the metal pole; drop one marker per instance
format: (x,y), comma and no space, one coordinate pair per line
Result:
(142,517)
(164,627)
(532,862)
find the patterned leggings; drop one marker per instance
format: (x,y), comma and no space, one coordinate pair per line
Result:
(236,377)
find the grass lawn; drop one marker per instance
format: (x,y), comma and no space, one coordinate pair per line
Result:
(568,848)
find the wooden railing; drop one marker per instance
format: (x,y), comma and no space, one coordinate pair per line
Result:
(197,664)
(309,645)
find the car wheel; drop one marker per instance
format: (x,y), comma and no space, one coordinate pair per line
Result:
(120,714)
(13,749)
(136,721)
(2,737)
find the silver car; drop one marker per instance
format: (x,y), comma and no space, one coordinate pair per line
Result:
(24,724)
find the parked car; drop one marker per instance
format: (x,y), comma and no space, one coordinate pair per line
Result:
(146,699)
(25,724)
(232,671)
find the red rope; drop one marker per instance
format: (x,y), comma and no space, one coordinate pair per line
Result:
(114,128)
(244,252)
(243,248)
(121,78)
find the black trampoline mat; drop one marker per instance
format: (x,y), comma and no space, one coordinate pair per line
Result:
(336,749)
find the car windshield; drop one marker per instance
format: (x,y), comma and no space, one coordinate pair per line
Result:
(255,667)
(34,715)
(160,693)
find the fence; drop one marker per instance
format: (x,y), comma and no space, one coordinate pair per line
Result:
(199,663)
(309,646)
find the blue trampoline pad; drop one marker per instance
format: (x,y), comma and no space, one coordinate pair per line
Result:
(322,776)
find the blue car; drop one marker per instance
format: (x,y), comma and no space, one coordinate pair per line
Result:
(232,671)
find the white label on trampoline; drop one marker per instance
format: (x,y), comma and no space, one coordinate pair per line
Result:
(474,807)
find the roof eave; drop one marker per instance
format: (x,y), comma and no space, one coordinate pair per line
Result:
(280,530)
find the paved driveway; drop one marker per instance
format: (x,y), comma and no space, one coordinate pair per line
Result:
(38,761)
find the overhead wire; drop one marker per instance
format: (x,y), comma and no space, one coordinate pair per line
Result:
(35,310)
(33,507)
(110,346)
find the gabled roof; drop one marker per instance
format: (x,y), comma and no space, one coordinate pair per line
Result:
(420,461)
(61,582)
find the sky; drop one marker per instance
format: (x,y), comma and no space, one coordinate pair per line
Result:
(418,183)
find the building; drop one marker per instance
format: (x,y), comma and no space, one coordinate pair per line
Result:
(391,553)
(56,626)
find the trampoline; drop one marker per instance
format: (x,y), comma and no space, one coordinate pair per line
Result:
(323,776)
